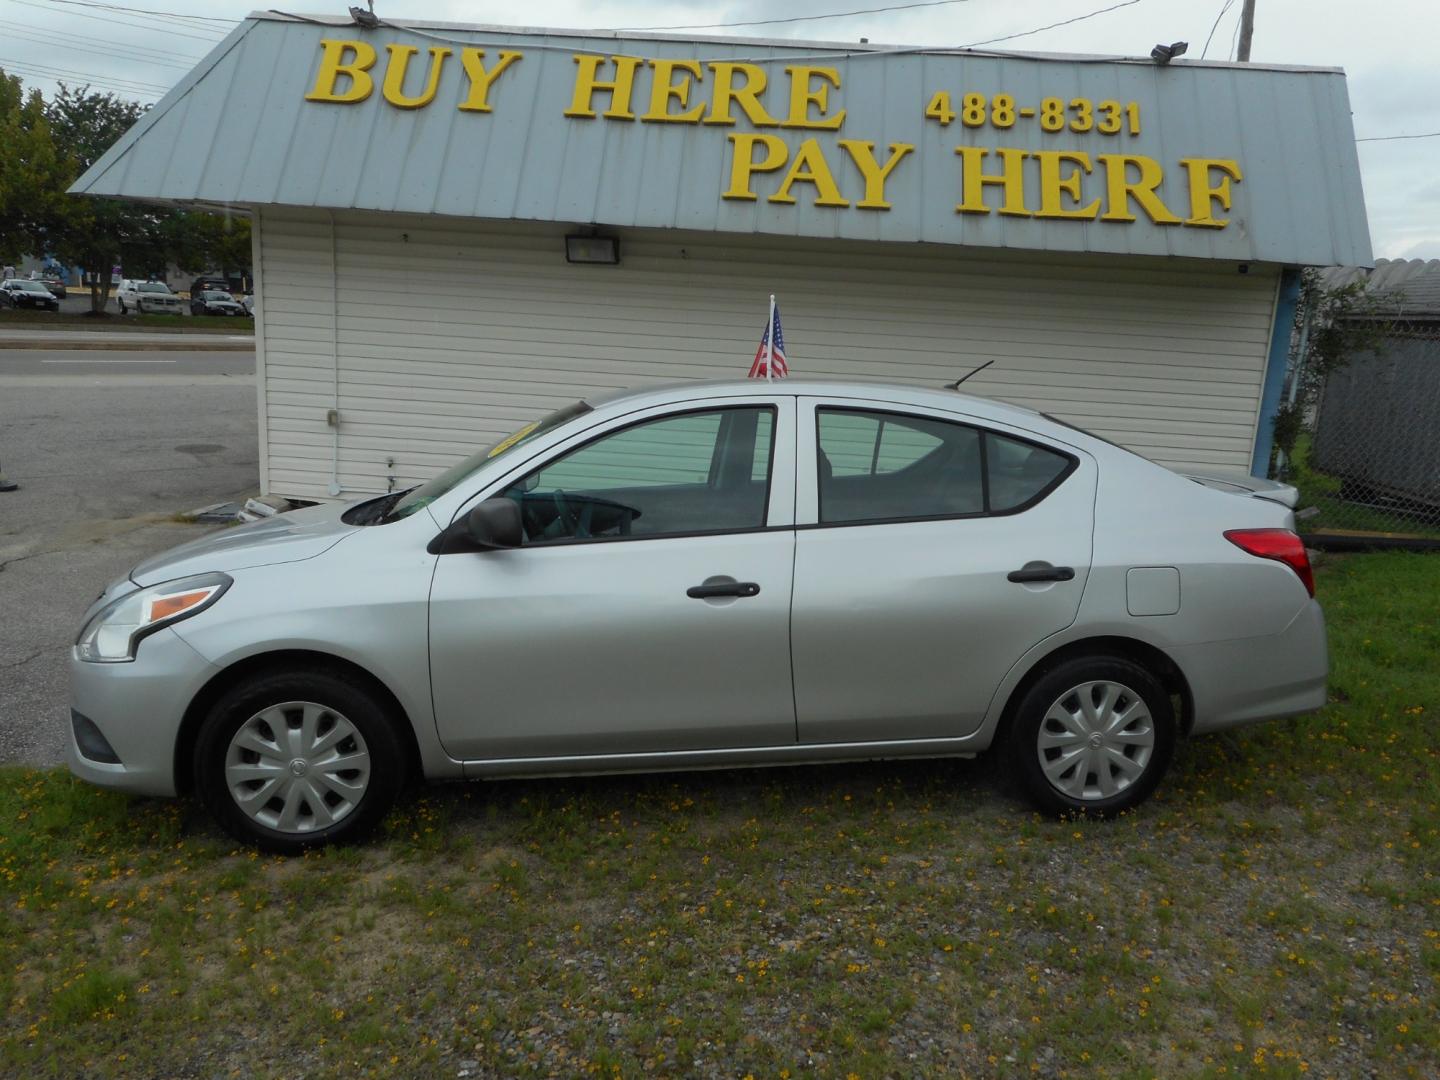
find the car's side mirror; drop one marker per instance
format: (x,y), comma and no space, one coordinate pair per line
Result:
(495,523)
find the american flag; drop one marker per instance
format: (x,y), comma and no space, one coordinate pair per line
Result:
(778,368)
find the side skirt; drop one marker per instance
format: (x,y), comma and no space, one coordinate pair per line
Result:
(731,758)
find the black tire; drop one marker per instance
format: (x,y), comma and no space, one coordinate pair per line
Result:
(339,694)
(1057,688)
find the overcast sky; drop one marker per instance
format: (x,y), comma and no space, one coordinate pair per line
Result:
(1386,46)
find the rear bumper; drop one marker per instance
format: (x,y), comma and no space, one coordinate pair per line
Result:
(1245,680)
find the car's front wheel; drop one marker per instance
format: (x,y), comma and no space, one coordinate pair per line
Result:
(294,760)
(1094,735)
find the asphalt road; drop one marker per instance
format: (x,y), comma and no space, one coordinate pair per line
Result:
(106,449)
(238,367)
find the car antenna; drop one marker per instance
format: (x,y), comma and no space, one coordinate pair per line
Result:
(956,384)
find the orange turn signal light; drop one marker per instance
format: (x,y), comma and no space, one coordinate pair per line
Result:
(166,606)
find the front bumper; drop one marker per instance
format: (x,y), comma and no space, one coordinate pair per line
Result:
(1245,680)
(138,708)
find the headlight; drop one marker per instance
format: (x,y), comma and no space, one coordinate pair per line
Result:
(113,635)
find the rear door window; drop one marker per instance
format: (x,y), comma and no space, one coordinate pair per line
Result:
(879,466)
(882,466)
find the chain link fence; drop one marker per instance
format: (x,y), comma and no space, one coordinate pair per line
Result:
(1366,450)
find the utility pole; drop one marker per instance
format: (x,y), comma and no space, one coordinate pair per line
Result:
(1247,30)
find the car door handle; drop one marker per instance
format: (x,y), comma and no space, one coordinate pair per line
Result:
(727,588)
(1041,571)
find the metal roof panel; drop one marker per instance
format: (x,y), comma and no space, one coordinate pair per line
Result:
(238,130)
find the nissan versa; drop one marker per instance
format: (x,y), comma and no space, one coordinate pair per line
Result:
(708,575)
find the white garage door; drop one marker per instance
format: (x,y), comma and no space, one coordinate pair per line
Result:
(433,336)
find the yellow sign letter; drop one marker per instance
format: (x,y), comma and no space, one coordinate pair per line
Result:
(1053,185)
(473,60)
(333,64)
(396,68)
(803,95)
(1121,189)
(875,174)
(620,89)
(746,95)
(1203,193)
(1011,180)
(665,87)
(810,167)
(743,163)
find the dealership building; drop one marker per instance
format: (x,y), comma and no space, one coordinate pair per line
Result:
(458,228)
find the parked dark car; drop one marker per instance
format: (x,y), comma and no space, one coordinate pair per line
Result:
(55,284)
(23,293)
(201,284)
(215,302)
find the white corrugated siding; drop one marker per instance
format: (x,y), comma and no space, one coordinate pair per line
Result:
(451,333)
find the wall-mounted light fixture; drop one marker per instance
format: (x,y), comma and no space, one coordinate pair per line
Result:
(580,248)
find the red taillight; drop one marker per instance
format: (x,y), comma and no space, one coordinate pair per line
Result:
(1282,545)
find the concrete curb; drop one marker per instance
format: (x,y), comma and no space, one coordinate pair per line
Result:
(188,343)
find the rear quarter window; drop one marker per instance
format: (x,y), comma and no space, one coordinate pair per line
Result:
(1019,471)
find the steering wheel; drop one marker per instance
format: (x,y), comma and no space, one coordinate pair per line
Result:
(566,515)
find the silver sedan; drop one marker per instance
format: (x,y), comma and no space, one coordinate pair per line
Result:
(706,575)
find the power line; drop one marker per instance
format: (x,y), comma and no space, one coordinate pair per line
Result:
(99,84)
(1391,138)
(1052,26)
(1213,26)
(142,11)
(797,18)
(144,24)
(47,72)
(117,51)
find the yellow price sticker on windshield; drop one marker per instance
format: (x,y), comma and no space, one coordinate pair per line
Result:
(505,444)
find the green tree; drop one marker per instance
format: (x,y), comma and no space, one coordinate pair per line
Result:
(199,242)
(32,173)
(1332,325)
(91,233)
(45,147)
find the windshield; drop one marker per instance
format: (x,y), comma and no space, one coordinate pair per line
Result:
(30,286)
(216,296)
(152,286)
(426,493)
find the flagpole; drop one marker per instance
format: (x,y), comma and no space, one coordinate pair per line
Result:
(770,342)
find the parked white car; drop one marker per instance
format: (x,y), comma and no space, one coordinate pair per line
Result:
(147,298)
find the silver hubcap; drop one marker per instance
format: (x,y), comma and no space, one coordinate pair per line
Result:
(297,767)
(1096,740)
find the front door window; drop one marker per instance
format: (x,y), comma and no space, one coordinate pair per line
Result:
(688,474)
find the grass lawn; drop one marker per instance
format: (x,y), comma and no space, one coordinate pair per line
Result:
(110,323)
(1274,911)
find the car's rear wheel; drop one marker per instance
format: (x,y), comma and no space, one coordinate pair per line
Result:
(1094,735)
(290,760)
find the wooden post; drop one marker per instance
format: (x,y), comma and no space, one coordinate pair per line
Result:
(1247,31)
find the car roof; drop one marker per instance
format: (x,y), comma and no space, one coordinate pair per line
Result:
(877,394)
(880,392)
